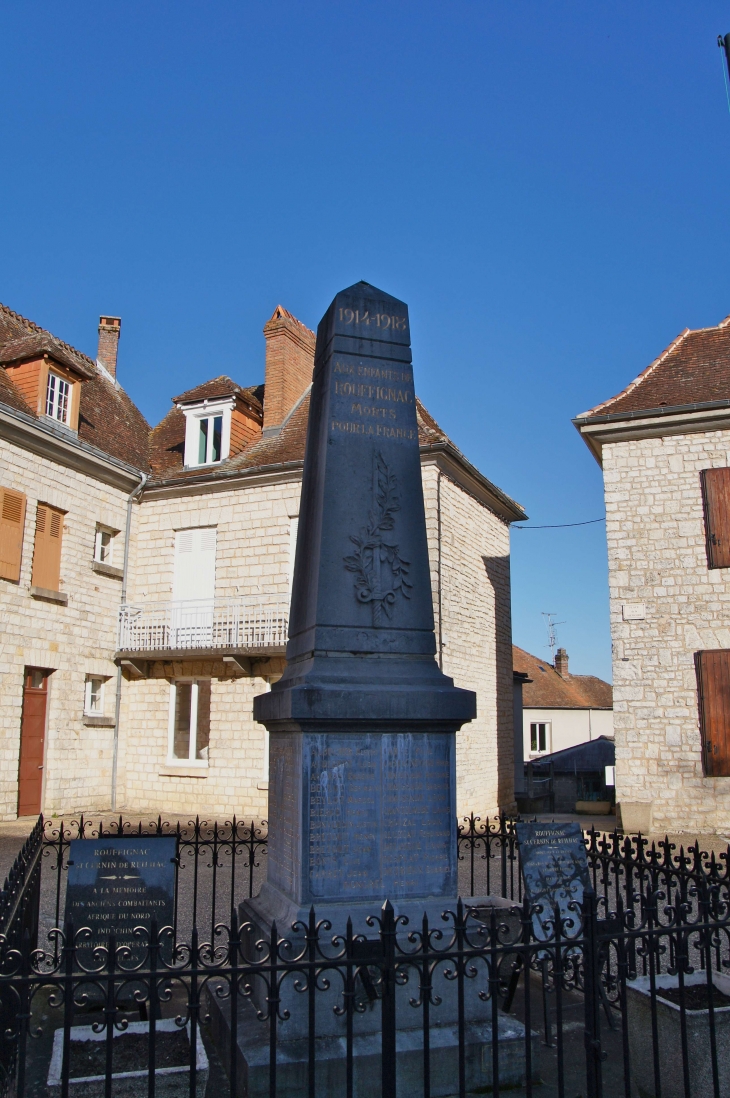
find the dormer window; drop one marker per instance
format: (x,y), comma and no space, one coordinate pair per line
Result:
(207,432)
(58,397)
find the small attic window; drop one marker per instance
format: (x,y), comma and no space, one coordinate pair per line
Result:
(58,397)
(207,434)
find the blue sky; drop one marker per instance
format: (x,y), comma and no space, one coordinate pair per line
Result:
(545,184)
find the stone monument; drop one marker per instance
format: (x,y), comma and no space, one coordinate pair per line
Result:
(362,788)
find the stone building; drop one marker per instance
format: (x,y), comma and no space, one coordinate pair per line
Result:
(664,447)
(134,646)
(560,709)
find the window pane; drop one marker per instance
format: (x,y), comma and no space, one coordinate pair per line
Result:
(93,704)
(217,447)
(51,395)
(533,737)
(62,409)
(203,442)
(541,728)
(103,546)
(203,733)
(181,742)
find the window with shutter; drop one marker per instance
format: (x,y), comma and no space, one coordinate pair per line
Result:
(194,573)
(47,549)
(12,521)
(716,503)
(713,697)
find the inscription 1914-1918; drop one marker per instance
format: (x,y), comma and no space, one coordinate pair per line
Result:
(378,320)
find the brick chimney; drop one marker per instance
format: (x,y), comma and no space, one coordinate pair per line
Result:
(109,329)
(289,366)
(561,663)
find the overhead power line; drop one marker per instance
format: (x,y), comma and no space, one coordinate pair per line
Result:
(559,525)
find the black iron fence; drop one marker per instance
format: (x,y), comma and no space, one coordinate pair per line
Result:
(629,994)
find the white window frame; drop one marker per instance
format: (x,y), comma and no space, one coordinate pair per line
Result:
(61,389)
(193,417)
(548,738)
(88,695)
(172,759)
(100,531)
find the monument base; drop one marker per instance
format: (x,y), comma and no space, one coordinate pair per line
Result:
(292,1060)
(252,1040)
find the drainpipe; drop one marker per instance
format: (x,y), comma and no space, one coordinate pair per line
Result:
(118,703)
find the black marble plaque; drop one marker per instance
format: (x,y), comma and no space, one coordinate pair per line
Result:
(554,871)
(119,884)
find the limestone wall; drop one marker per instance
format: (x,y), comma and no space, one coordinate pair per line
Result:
(475,634)
(253,546)
(252,559)
(665,605)
(74,640)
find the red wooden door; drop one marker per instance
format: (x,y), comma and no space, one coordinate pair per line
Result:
(32,738)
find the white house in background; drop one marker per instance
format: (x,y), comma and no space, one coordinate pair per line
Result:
(560,710)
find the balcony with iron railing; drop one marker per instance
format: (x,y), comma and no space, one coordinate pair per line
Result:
(204,626)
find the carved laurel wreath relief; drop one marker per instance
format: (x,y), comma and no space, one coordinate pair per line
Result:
(380,571)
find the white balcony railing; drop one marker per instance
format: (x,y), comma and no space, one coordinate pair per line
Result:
(203,623)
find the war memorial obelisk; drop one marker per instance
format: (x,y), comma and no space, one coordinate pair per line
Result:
(362,786)
(361,753)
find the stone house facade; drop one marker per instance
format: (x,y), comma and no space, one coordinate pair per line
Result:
(176,562)
(560,709)
(664,447)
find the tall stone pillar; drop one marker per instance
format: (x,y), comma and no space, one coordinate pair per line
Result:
(362,800)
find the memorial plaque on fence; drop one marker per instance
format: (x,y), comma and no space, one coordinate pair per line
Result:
(554,871)
(119,884)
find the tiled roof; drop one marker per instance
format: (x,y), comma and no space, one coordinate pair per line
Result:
(167,444)
(108,419)
(694,369)
(548,690)
(38,343)
(222,386)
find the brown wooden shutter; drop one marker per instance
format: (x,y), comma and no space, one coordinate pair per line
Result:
(713,695)
(12,522)
(716,502)
(47,551)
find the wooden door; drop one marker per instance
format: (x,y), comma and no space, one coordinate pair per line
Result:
(32,739)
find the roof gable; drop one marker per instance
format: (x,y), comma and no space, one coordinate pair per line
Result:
(693,369)
(549,690)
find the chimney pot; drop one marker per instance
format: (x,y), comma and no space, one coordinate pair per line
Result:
(109,329)
(561,663)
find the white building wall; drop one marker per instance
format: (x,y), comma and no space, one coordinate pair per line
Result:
(74,640)
(252,558)
(568,727)
(665,605)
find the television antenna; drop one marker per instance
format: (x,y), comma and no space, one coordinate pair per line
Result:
(551,626)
